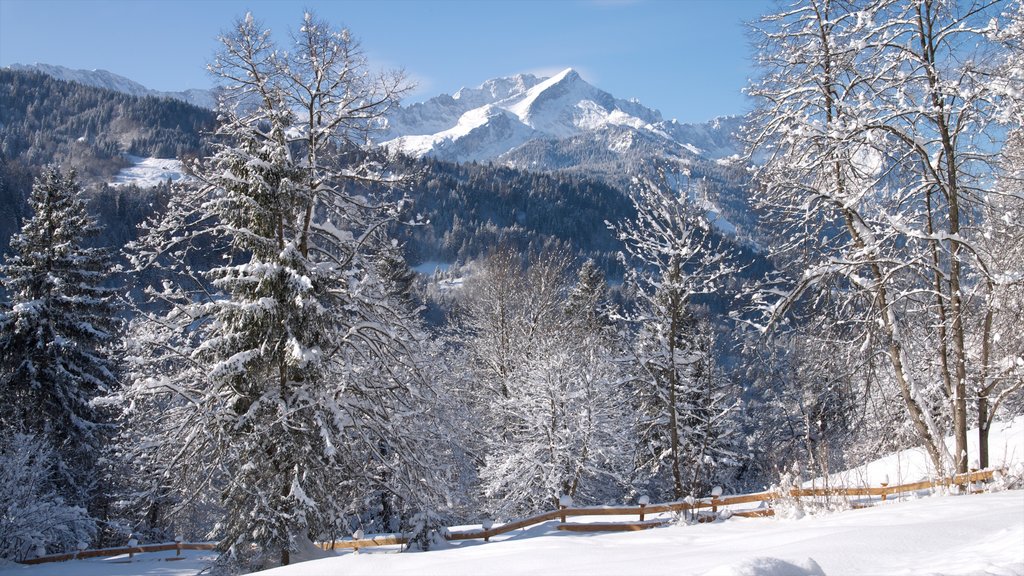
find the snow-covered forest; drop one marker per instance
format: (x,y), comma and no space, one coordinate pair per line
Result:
(258,366)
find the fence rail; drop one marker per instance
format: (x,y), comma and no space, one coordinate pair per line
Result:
(713,503)
(562,514)
(130,550)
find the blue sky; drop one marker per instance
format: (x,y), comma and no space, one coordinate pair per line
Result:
(687,58)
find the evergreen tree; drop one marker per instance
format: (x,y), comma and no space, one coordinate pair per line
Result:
(55,333)
(288,380)
(33,515)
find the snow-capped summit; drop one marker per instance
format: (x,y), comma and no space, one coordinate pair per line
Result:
(111,81)
(565,104)
(503,117)
(497,89)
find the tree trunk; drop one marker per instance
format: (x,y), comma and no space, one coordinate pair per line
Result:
(673,379)
(928,35)
(983,426)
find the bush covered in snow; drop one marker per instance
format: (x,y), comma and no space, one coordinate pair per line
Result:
(33,517)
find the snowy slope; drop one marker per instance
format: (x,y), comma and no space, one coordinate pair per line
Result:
(111,81)
(941,535)
(149,172)
(936,535)
(493,121)
(1006,450)
(982,534)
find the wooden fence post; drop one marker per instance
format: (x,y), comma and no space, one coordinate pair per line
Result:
(643,502)
(487,524)
(564,501)
(885,483)
(716,492)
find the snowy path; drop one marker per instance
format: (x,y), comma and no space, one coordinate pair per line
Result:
(149,564)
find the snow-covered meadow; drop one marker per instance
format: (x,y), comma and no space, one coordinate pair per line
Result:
(149,172)
(981,534)
(920,534)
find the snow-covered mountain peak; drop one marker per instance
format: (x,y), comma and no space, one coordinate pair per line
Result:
(524,118)
(561,106)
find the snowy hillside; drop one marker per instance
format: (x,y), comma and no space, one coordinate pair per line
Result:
(149,172)
(493,121)
(111,81)
(942,535)
(930,535)
(934,535)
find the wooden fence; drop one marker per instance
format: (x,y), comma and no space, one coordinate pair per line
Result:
(695,506)
(712,503)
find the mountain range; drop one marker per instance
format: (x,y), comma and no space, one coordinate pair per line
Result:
(556,177)
(551,123)
(523,121)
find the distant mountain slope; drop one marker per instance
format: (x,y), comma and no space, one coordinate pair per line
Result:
(111,81)
(585,143)
(564,124)
(93,130)
(46,120)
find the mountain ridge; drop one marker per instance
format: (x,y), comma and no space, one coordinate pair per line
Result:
(99,78)
(501,119)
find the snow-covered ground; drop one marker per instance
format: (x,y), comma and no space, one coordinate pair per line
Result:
(429,267)
(149,564)
(933,535)
(981,534)
(1005,445)
(149,172)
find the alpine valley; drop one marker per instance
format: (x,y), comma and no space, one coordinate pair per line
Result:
(317,313)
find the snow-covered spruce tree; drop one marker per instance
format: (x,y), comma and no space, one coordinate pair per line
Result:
(550,410)
(56,330)
(875,130)
(288,380)
(685,429)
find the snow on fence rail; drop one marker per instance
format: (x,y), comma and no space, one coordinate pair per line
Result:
(129,550)
(712,502)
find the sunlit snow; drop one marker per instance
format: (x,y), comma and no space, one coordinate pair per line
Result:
(149,172)
(934,535)
(504,113)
